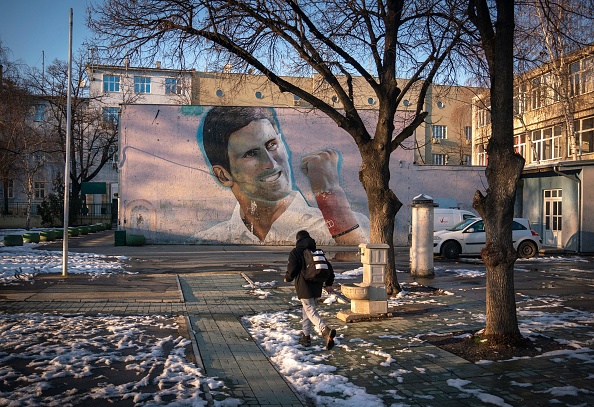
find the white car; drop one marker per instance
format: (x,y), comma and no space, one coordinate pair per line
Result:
(469,237)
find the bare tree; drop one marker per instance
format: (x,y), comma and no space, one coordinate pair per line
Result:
(549,36)
(93,136)
(21,147)
(334,39)
(495,26)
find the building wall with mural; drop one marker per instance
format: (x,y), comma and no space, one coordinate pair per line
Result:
(295,174)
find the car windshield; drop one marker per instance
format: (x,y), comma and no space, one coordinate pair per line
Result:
(463,224)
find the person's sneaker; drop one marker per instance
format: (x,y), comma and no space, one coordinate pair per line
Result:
(305,340)
(329,335)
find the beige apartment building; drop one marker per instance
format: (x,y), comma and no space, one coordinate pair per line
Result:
(554,132)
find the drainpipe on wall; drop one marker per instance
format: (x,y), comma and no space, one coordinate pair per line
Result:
(575,178)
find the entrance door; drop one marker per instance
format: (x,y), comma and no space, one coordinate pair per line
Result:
(553,217)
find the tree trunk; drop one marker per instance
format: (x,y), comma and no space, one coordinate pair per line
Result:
(503,173)
(383,206)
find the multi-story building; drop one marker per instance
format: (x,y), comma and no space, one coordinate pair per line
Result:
(112,87)
(443,140)
(554,132)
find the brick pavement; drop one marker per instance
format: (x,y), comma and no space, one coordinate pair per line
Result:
(420,373)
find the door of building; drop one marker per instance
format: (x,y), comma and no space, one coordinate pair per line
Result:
(553,217)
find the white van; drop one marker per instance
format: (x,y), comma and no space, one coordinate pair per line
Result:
(446,218)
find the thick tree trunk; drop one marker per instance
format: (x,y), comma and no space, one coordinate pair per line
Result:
(499,254)
(503,172)
(383,206)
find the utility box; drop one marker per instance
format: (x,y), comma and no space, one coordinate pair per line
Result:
(421,249)
(119,237)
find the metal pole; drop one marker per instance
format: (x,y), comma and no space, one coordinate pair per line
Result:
(67,169)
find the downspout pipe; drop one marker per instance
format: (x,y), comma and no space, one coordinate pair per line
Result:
(577,179)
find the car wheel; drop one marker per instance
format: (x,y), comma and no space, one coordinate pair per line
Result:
(527,249)
(451,250)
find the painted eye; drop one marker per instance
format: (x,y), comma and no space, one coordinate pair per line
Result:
(272,145)
(251,154)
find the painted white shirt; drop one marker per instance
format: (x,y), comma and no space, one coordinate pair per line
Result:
(299,215)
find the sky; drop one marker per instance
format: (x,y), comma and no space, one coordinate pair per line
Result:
(30,28)
(150,358)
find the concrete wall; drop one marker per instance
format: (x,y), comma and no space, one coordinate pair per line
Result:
(168,193)
(587,210)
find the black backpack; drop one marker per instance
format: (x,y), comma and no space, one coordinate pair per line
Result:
(317,268)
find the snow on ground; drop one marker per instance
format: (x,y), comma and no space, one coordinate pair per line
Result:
(115,359)
(143,359)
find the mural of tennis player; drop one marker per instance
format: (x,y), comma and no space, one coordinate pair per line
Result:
(245,149)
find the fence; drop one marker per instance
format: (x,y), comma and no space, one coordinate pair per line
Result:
(88,214)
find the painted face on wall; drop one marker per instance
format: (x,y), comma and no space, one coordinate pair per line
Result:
(259,162)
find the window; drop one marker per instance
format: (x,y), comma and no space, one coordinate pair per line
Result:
(111,83)
(520,144)
(520,99)
(173,86)
(482,156)
(585,136)
(439,132)
(483,117)
(439,159)
(142,84)
(111,115)
(468,133)
(536,93)
(112,155)
(582,76)
(467,159)
(546,143)
(39,113)
(10,188)
(39,188)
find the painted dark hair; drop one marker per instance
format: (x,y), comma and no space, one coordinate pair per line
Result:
(222,121)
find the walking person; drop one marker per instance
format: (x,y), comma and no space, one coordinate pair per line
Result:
(309,291)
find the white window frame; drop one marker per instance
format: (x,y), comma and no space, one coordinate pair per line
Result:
(39,188)
(142,84)
(520,144)
(439,159)
(111,83)
(483,118)
(581,76)
(468,133)
(546,143)
(439,131)
(173,86)
(585,127)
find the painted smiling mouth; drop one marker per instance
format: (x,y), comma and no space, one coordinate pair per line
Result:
(272,178)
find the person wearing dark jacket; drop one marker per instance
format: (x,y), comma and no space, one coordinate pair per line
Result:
(309,291)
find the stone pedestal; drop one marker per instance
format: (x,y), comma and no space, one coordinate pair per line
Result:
(369,298)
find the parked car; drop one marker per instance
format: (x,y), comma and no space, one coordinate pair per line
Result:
(469,237)
(446,218)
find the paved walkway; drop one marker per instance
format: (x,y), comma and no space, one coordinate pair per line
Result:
(419,373)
